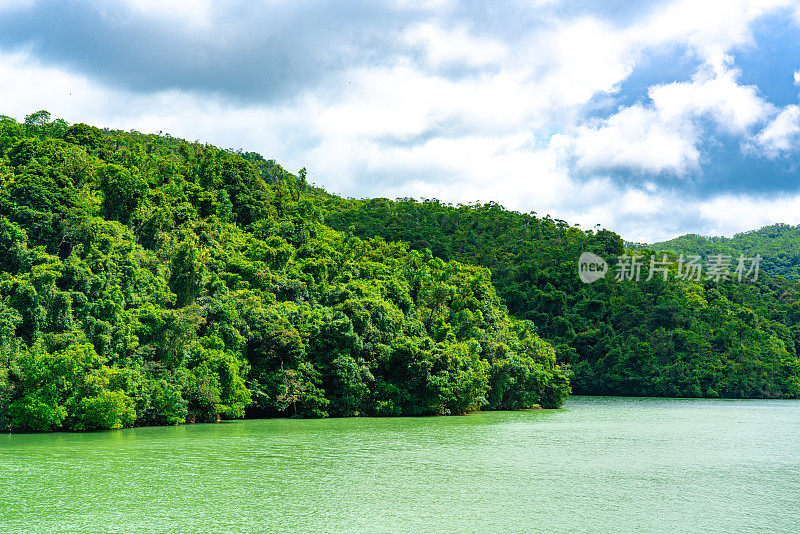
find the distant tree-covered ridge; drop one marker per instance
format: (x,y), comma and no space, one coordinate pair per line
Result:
(778,244)
(146,280)
(662,338)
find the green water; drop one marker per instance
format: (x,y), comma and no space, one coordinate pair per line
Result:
(598,465)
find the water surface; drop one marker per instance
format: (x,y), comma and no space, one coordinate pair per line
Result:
(599,464)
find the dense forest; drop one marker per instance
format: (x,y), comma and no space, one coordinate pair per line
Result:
(778,244)
(146,280)
(685,338)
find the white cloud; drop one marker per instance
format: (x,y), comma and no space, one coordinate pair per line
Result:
(730,214)
(428,5)
(574,61)
(14,5)
(715,93)
(29,86)
(444,47)
(797,77)
(195,13)
(664,135)
(710,27)
(400,103)
(649,217)
(782,134)
(635,138)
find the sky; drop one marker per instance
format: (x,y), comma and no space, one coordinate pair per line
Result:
(653,118)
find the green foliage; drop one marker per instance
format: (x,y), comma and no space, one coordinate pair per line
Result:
(122,192)
(147,280)
(108,410)
(50,385)
(778,245)
(84,135)
(651,338)
(215,383)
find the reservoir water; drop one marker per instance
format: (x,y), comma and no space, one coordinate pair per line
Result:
(597,465)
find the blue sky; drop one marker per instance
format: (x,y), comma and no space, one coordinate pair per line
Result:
(650,118)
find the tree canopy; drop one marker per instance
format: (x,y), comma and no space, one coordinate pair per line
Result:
(677,337)
(147,280)
(778,244)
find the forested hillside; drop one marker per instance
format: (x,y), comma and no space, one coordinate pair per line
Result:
(778,244)
(147,280)
(662,338)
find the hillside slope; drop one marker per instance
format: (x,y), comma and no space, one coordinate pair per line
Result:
(778,245)
(662,338)
(149,280)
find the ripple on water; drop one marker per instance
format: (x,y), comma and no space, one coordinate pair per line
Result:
(600,464)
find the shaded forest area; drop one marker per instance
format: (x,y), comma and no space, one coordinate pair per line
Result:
(675,338)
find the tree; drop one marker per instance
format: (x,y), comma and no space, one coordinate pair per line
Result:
(122,192)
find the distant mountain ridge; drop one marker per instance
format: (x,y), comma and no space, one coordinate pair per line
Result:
(778,245)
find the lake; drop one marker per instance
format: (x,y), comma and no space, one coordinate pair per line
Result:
(600,464)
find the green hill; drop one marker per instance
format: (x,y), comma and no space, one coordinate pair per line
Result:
(147,280)
(778,245)
(661,338)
